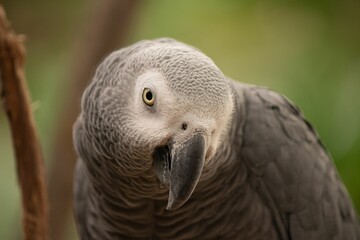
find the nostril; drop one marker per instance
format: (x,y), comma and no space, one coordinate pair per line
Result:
(184,126)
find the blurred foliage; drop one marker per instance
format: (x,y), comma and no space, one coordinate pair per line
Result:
(307,50)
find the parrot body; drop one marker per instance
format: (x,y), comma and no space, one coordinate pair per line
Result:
(200,157)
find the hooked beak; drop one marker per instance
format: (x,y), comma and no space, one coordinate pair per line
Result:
(179,166)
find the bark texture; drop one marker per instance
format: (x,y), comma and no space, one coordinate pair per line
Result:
(16,103)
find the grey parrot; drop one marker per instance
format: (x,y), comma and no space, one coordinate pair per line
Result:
(170,148)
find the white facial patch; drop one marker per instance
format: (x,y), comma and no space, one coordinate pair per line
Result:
(170,111)
(153,120)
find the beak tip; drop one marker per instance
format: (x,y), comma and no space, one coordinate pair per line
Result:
(173,205)
(171,200)
(169,207)
(175,202)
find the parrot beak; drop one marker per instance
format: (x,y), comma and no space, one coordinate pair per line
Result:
(180,167)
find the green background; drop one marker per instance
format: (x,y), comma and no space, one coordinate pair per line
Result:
(307,50)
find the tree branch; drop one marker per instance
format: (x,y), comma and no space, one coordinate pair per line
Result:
(16,103)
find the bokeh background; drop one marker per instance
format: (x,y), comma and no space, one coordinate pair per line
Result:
(308,50)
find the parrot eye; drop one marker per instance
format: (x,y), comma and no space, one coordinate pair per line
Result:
(148,97)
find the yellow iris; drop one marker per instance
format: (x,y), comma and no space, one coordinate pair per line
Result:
(148,97)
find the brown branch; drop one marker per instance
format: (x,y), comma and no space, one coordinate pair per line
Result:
(16,102)
(107,29)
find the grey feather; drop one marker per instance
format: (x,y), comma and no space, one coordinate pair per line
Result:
(258,171)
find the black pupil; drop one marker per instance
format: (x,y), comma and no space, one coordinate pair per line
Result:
(149,95)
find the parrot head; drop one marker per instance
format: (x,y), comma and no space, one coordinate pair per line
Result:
(161,106)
